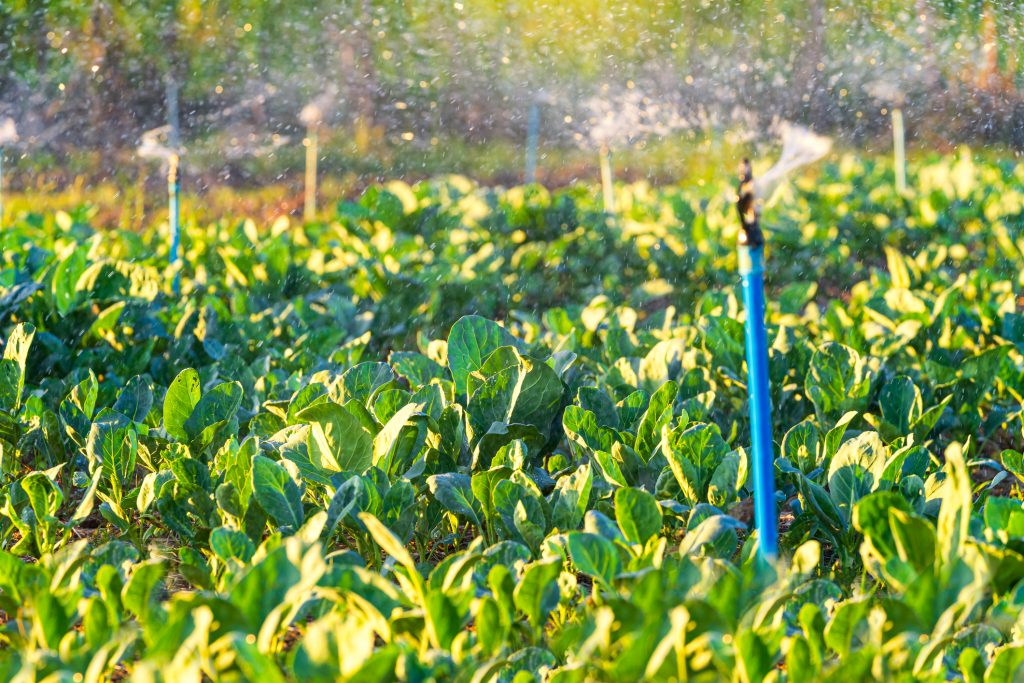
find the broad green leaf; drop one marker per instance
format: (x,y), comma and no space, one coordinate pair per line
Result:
(583,430)
(513,389)
(537,592)
(658,415)
(398,444)
(598,403)
(182,397)
(837,380)
(508,496)
(276,493)
(364,381)
(141,594)
(662,364)
(347,500)
(595,556)
(454,492)
(955,512)
(693,455)
(231,544)
(529,522)
(215,406)
(135,400)
(856,470)
(492,625)
(914,537)
(900,401)
(609,465)
(802,446)
(12,367)
(309,395)
(113,446)
(499,435)
(345,442)
(263,587)
(65,280)
(444,620)
(924,424)
(388,542)
(571,498)
(632,408)
(834,436)
(1007,665)
(715,535)
(483,484)
(471,341)
(754,658)
(871,518)
(254,665)
(77,409)
(416,368)
(728,479)
(638,515)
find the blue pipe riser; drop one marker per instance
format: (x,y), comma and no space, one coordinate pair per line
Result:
(751,261)
(173,218)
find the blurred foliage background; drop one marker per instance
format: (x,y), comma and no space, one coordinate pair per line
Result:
(416,87)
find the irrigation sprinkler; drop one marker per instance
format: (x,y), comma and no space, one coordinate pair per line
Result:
(174,217)
(151,147)
(174,181)
(309,206)
(899,150)
(750,250)
(311,115)
(889,94)
(8,134)
(800,147)
(607,182)
(1,188)
(532,133)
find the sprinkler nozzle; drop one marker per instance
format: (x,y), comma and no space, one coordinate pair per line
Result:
(746,205)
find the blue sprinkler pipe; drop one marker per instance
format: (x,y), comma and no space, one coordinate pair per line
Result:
(751,268)
(532,133)
(174,183)
(173,219)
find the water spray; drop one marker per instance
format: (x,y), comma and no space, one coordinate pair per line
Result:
(750,251)
(532,133)
(619,119)
(800,146)
(8,134)
(899,150)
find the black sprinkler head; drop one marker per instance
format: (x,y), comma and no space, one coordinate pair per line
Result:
(746,205)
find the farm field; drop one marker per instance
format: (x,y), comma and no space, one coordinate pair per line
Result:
(457,433)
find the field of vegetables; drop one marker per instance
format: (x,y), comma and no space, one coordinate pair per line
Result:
(458,433)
